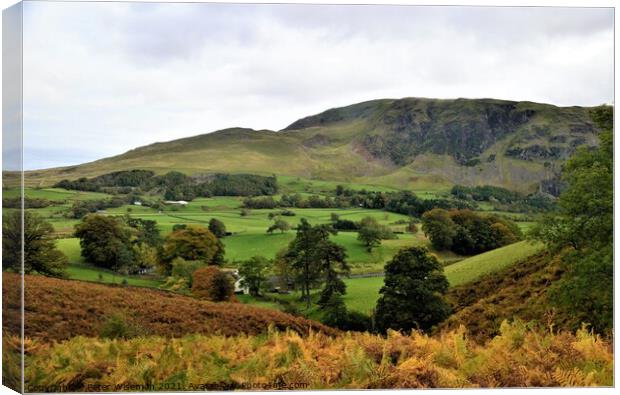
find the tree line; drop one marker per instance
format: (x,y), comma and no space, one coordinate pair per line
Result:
(468,233)
(402,202)
(175,185)
(504,199)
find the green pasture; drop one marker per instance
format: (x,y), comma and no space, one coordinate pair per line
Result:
(52,194)
(472,268)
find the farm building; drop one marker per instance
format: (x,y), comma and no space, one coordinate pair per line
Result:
(177,202)
(239,289)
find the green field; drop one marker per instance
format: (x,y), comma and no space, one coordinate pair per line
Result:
(471,268)
(250,238)
(53,194)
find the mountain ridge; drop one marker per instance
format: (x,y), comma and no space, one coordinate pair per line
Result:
(395,142)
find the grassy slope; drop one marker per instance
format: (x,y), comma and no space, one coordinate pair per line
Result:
(517,291)
(491,261)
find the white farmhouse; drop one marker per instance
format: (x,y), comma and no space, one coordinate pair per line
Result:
(239,289)
(178,202)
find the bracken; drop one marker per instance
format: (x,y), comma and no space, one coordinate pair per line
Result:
(518,357)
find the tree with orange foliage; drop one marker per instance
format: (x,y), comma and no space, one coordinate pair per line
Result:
(213,284)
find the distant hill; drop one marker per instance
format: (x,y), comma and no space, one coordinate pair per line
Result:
(60,309)
(402,143)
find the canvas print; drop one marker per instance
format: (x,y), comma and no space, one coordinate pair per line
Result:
(218,197)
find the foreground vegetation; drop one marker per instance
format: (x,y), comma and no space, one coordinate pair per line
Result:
(60,309)
(518,357)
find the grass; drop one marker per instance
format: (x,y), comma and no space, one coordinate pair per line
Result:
(250,238)
(472,268)
(53,194)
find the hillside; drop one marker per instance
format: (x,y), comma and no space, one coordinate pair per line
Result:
(403,143)
(516,292)
(60,309)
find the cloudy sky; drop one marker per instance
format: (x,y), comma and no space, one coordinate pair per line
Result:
(102,78)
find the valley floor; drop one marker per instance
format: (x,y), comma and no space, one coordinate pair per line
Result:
(249,238)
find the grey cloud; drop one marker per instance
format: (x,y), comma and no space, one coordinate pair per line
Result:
(112,76)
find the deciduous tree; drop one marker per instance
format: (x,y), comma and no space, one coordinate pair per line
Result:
(105,241)
(213,284)
(280,225)
(217,227)
(193,243)
(412,296)
(40,252)
(253,273)
(582,230)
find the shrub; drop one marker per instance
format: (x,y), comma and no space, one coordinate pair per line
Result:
(120,326)
(217,227)
(336,316)
(212,284)
(412,227)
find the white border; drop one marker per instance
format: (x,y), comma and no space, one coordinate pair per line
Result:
(504,3)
